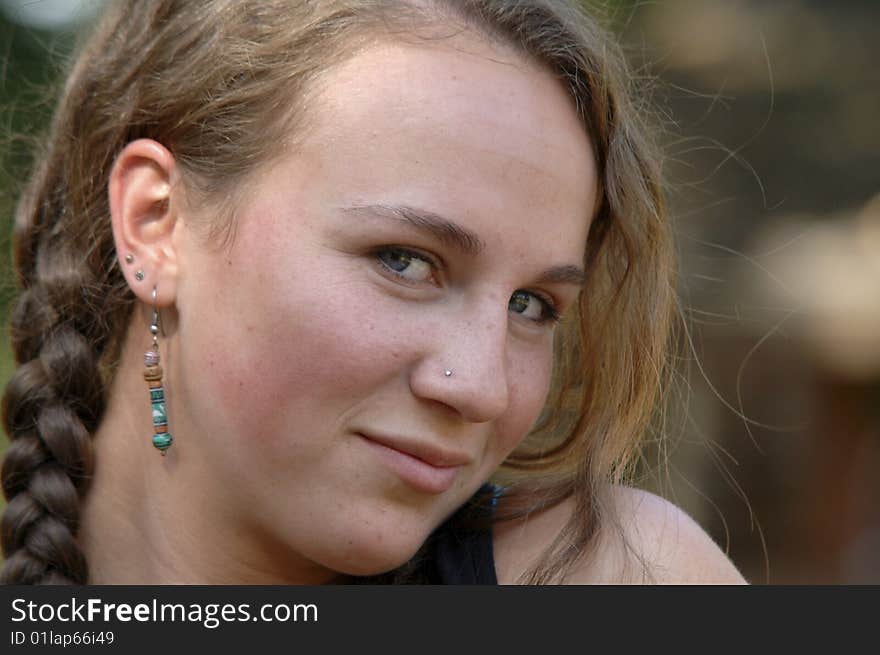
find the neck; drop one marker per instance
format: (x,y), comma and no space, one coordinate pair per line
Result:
(149,519)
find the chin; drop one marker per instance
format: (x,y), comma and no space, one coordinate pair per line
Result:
(375,554)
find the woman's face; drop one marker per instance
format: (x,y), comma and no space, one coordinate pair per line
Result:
(433,219)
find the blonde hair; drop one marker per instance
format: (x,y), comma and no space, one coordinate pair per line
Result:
(218,82)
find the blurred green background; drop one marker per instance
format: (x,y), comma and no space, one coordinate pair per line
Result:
(768,112)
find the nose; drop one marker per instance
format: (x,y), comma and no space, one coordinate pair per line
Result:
(466,369)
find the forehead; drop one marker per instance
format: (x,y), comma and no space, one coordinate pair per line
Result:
(461,128)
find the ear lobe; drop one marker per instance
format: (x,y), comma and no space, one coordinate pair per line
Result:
(144,214)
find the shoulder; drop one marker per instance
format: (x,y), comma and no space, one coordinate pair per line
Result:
(645,540)
(668,545)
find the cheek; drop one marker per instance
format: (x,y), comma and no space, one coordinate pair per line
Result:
(529,378)
(302,351)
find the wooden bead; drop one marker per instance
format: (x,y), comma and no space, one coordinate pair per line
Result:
(153,373)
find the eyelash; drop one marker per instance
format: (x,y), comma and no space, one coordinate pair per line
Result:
(550,315)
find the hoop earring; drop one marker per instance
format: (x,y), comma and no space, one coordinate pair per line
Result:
(162,439)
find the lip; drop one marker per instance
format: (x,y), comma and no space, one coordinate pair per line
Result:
(423,466)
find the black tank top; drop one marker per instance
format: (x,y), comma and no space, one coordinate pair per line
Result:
(460,550)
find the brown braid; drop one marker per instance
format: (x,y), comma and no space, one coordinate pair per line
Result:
(65,324)
(51,405)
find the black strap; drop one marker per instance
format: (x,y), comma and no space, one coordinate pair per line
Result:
(461,549)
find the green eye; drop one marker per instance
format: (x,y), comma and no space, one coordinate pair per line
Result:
(396,260)
(532,306)
(406,264)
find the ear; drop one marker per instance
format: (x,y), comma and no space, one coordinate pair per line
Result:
(144,214)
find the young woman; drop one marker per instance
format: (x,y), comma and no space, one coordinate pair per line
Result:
(299,278)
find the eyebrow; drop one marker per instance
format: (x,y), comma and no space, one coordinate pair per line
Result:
(459,237)
(567,274)
(441,228)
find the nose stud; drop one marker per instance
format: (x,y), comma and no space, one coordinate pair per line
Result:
(448,373)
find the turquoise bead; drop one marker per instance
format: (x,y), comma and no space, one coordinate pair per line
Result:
(159,417)
(162,441)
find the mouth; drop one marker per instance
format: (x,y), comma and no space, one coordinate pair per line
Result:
(423,469)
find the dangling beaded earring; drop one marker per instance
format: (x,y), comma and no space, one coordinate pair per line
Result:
(162,439)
